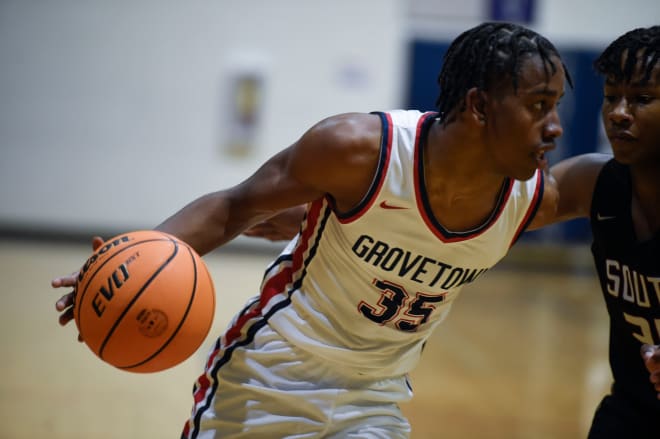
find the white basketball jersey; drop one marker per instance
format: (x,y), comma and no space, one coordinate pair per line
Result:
(366,288)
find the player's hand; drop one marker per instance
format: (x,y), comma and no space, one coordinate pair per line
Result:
(65,304)
(651,356)
(281,227)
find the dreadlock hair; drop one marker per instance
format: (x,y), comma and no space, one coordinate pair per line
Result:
(639,45)
(486,55)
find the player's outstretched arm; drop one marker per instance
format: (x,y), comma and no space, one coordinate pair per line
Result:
(216,218)
(337,157)
(651,356)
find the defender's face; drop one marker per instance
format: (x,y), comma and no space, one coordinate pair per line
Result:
(631,115)
(523,124)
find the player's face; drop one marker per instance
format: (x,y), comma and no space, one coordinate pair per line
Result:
(523,124)
(631,115)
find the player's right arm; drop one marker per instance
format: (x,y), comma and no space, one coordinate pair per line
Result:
(336,158)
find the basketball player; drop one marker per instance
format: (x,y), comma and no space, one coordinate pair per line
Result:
(404,208)
(621,196)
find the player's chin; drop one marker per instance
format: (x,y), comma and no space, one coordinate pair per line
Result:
(525,174)
(538,162)
(626,157)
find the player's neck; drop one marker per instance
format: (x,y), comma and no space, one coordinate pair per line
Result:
(455,155)
(461,191)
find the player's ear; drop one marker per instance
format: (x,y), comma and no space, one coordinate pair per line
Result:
(475,104)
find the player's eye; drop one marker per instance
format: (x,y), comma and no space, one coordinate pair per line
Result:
(643,99)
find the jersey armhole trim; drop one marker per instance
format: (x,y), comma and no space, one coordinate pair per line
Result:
(533,207)
(379,177)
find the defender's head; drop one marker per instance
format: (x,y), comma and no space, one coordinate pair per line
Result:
(617,65)
(631,104)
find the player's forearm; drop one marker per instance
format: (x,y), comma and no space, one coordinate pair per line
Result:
(203,223)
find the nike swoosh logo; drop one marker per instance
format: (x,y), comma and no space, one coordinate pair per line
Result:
(600,217)
(384,205)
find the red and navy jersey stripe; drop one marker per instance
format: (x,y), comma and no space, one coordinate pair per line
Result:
(252,318)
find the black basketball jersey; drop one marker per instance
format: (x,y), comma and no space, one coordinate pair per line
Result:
(629,272)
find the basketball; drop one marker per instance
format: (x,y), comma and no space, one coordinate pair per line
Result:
(144,301)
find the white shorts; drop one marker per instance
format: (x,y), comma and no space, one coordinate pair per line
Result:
(264,387)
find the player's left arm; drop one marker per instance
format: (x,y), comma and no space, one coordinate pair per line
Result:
(568,189)
(282,226)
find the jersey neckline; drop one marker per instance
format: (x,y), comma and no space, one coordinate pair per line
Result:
(424,205)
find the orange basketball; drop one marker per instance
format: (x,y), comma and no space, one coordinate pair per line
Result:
(144,301)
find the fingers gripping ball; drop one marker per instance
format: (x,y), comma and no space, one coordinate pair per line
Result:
(144,301)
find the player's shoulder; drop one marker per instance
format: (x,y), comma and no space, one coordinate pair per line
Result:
(352,127)
(339,155)
(343,138)
(349,127)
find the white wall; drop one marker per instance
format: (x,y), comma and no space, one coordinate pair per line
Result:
(593,22)
(113,114)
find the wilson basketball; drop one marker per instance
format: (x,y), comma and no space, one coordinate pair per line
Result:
(144,301)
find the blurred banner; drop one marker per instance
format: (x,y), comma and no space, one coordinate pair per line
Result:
(243,107)
(519,11)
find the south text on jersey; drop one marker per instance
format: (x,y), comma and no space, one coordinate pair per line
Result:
(632,286)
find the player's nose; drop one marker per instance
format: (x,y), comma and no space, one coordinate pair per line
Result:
(620,112)
(553,129)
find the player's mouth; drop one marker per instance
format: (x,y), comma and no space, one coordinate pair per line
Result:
(621,136)
(541,161)
(540,156)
